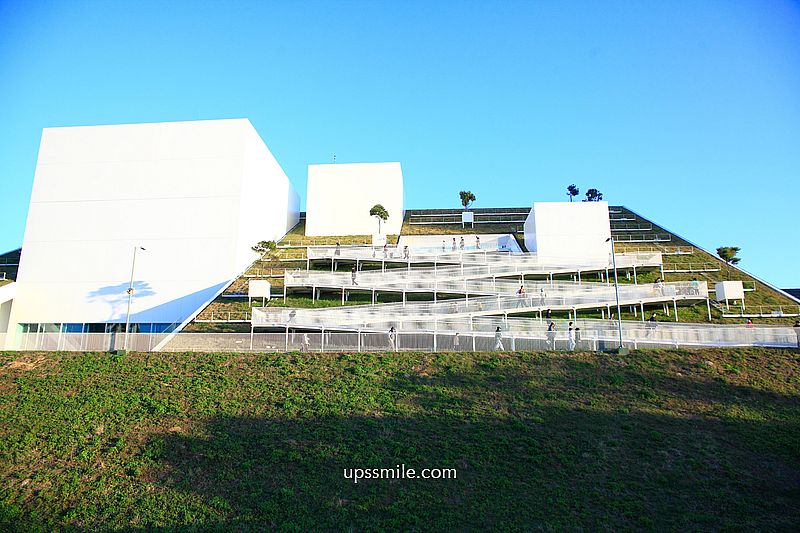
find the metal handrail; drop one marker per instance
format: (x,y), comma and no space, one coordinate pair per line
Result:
(589,297)
(515,334)
(691,267)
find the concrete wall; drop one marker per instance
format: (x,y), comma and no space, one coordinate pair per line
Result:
(576,231)
(340,197)
(7,293)
(196,195)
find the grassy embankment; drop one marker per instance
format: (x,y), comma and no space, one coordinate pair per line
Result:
(295,258)
(663,440)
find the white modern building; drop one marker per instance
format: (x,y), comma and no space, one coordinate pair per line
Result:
(191,197)
(569,230)
(340,197)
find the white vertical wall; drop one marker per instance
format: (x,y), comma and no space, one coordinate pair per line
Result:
(196,195)
(269,204)
(569,230)
(340,196)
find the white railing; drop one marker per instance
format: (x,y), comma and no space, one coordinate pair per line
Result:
(223,316)
(643,237)
(615,226)
(663,249)
(469,254)
(590,296)
(87,342)
(592,335)
(264,273)
(473,256)
(428,278)
(691,267)
(762,311)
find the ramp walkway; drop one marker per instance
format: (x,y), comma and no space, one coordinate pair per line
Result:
(586,296)
(451,279)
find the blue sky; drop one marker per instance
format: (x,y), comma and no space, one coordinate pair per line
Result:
(687,112)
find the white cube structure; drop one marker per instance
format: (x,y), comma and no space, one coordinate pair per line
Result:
(259,288)
(570,230)
(729,291)
(195,195)
(340,196)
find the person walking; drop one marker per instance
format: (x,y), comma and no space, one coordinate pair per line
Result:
(749,323)
(385,250)
(551,335)
(498,340)
(578,337)
(695,286)
(477,242)
(456,342)
(570,338)
(406,253)
(304,343)
(651,324)
(461,244)
(659,287)
(549,315)
(444,246)
(338,250)
(542,296)
(454,244)
(521,296)
(353,275)
(392,338)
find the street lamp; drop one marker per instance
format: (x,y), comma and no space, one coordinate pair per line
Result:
(130,292)
(616,289)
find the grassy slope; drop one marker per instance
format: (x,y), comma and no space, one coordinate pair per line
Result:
(654,440)
(763,296)
(297,237)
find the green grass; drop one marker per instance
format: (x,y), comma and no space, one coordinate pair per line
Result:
(655,440)
(297,237)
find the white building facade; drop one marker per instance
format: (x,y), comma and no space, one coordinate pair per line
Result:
(196,196)
(576,231)
(340,197)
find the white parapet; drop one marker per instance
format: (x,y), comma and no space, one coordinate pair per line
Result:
(195,195)
(340,197)
(569,230)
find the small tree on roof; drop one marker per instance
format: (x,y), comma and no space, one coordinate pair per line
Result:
(264,248)
(379,212)
(572,191)
(466,198)
(593,195)
(728,254)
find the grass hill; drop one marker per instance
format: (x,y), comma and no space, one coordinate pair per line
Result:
(656,440)
(635,232)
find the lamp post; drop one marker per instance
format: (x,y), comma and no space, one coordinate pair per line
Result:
(616,290)
(130,292)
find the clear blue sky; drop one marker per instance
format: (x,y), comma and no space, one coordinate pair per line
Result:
(687,112)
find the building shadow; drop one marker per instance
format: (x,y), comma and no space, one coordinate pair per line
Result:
(555,463)
(116,296)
